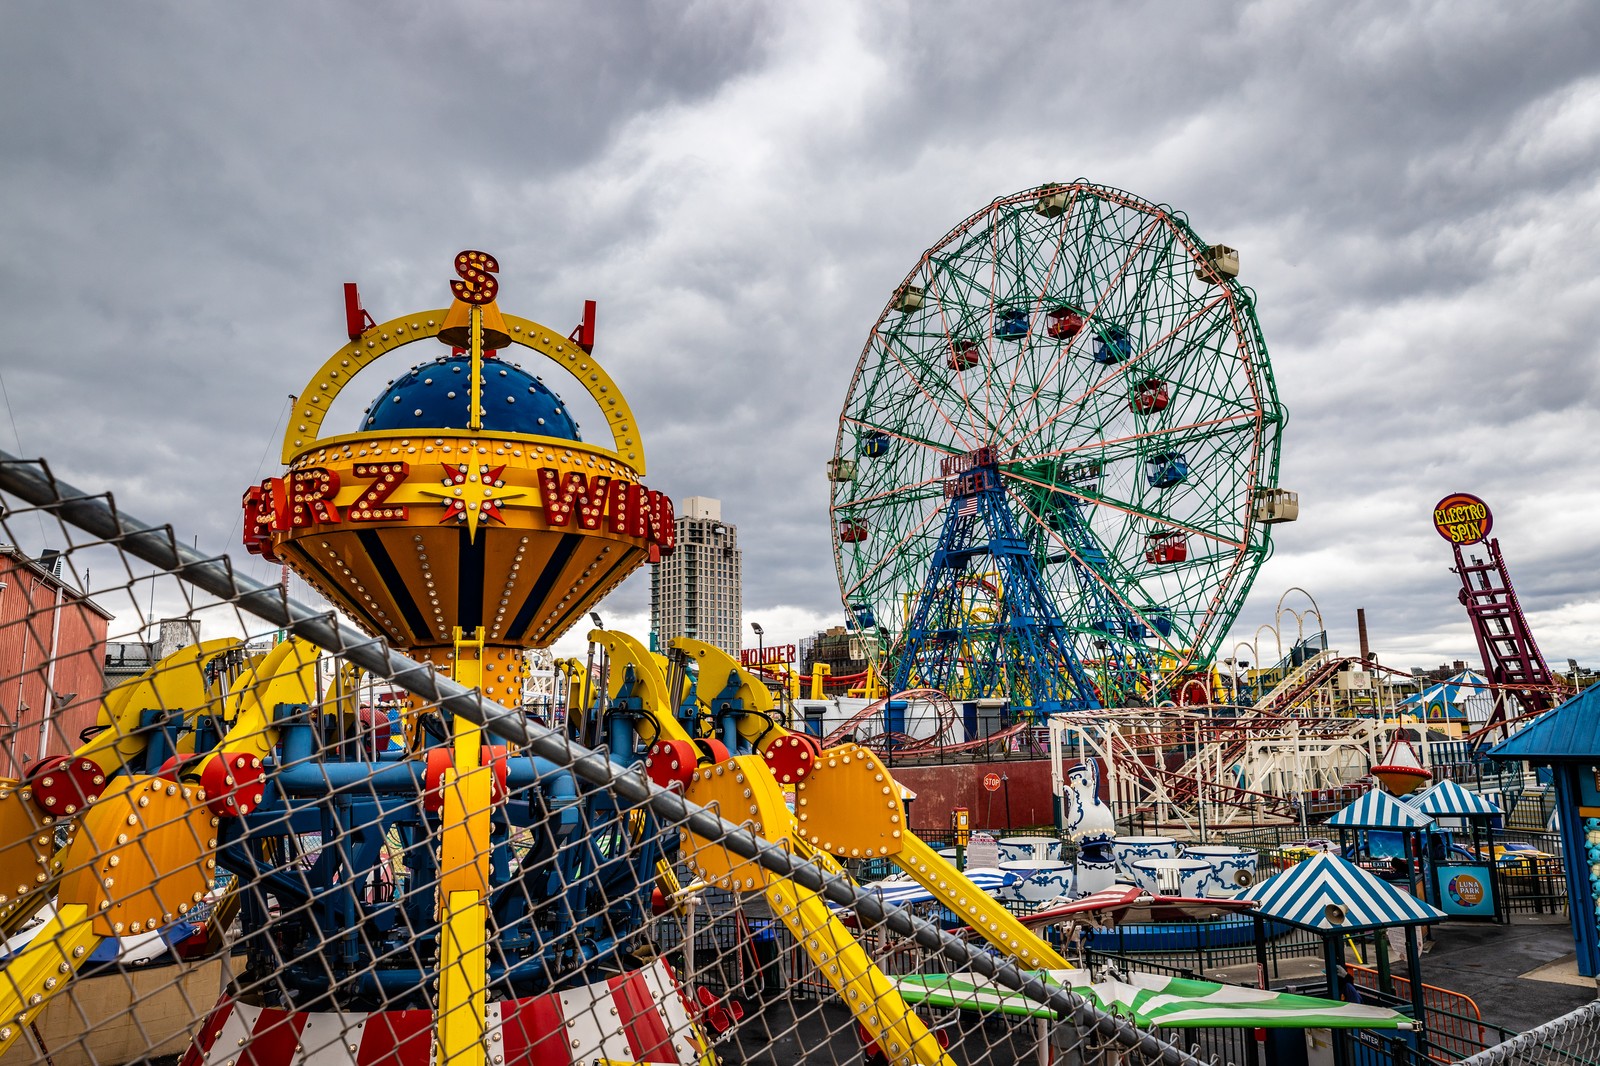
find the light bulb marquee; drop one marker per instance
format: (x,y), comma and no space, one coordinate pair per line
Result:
(417,530)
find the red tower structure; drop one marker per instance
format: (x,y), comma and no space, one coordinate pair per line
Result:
(1511,657)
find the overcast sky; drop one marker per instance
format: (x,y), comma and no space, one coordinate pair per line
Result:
(1413,188)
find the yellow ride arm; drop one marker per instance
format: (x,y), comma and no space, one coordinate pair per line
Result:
(625,651)
(177,681)
(43,969)
(288,674)
(715,666)
(844,790)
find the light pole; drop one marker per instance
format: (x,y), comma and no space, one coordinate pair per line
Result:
(760,640)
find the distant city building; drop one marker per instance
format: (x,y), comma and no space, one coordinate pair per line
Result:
(697,591)
(1442,672)
(838,647)
(127,659)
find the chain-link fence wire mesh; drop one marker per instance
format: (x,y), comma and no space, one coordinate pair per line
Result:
(238,844)
(1570,1040)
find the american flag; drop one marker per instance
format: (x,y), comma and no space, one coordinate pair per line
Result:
(967,507)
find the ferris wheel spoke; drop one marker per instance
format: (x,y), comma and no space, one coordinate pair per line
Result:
(1033,290)
(953,334)
(1091,312)
(908,490)
(1069,406)
(918,381)
(1086,567)
(1240,418)
(1130,509)
(891,553)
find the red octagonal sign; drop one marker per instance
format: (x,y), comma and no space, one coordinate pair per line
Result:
(991,782)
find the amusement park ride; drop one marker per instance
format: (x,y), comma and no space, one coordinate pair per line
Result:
(463,522)
(1055,473)
(1053,484)
(1511,659)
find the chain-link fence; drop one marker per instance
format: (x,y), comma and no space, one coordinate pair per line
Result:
(1570,1040)
(234,830)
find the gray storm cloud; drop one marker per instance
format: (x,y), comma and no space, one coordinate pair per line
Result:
(1414,189)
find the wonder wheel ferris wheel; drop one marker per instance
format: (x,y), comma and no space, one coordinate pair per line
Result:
(1056,469)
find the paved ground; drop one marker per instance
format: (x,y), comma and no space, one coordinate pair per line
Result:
(1514,973)
(1519,975)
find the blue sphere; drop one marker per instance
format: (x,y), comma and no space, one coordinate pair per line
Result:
(433,396)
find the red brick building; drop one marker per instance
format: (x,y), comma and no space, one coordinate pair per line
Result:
(52,653)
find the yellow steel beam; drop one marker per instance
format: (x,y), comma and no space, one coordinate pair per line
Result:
(463,981)
(715,666)
(464,880)
(651,684)
(176,682)
(982,913)
(847,967)
(43,970)
(287,675)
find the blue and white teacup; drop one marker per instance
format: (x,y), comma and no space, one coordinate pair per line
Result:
(1094,876)
(1023,848)
(1172,877)
(1130,849)
(1233,869)
(1038,880)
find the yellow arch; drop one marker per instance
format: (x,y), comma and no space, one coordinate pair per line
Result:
(315,400)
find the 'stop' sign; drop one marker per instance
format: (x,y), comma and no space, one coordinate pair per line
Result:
(1462,518)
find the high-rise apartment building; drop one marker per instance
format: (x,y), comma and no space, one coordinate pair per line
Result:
(697,590)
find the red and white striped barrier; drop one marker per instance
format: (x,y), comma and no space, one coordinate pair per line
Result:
(637,1017)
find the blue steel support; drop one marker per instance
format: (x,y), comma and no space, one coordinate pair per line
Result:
(1580,892)
(1127,660)
(319,841)
(945,646)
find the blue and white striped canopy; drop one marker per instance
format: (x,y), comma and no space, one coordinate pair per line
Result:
(1450,799)
(1466,696)
(902,893)
(1379,810)
(1329,895)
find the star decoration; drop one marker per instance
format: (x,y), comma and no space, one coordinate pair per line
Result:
(472,495)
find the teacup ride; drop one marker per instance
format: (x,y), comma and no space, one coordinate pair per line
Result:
(1024,848)
(1037,881)
(1172,877)
(1128,849)
(1233,869)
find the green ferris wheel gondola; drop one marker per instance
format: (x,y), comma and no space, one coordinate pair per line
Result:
(1112,364)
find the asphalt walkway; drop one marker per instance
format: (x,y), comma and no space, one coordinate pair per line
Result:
(1519,975)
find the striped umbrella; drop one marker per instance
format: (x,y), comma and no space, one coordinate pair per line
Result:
(1156,1000)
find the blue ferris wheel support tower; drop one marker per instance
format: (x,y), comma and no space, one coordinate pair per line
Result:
(1014,644)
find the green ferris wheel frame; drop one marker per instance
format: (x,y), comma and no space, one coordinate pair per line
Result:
(1114,364)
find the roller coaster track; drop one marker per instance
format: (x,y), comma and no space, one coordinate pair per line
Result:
(1184,786)
(1300,681)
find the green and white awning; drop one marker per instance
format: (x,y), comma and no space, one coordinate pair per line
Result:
(1155,1000)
